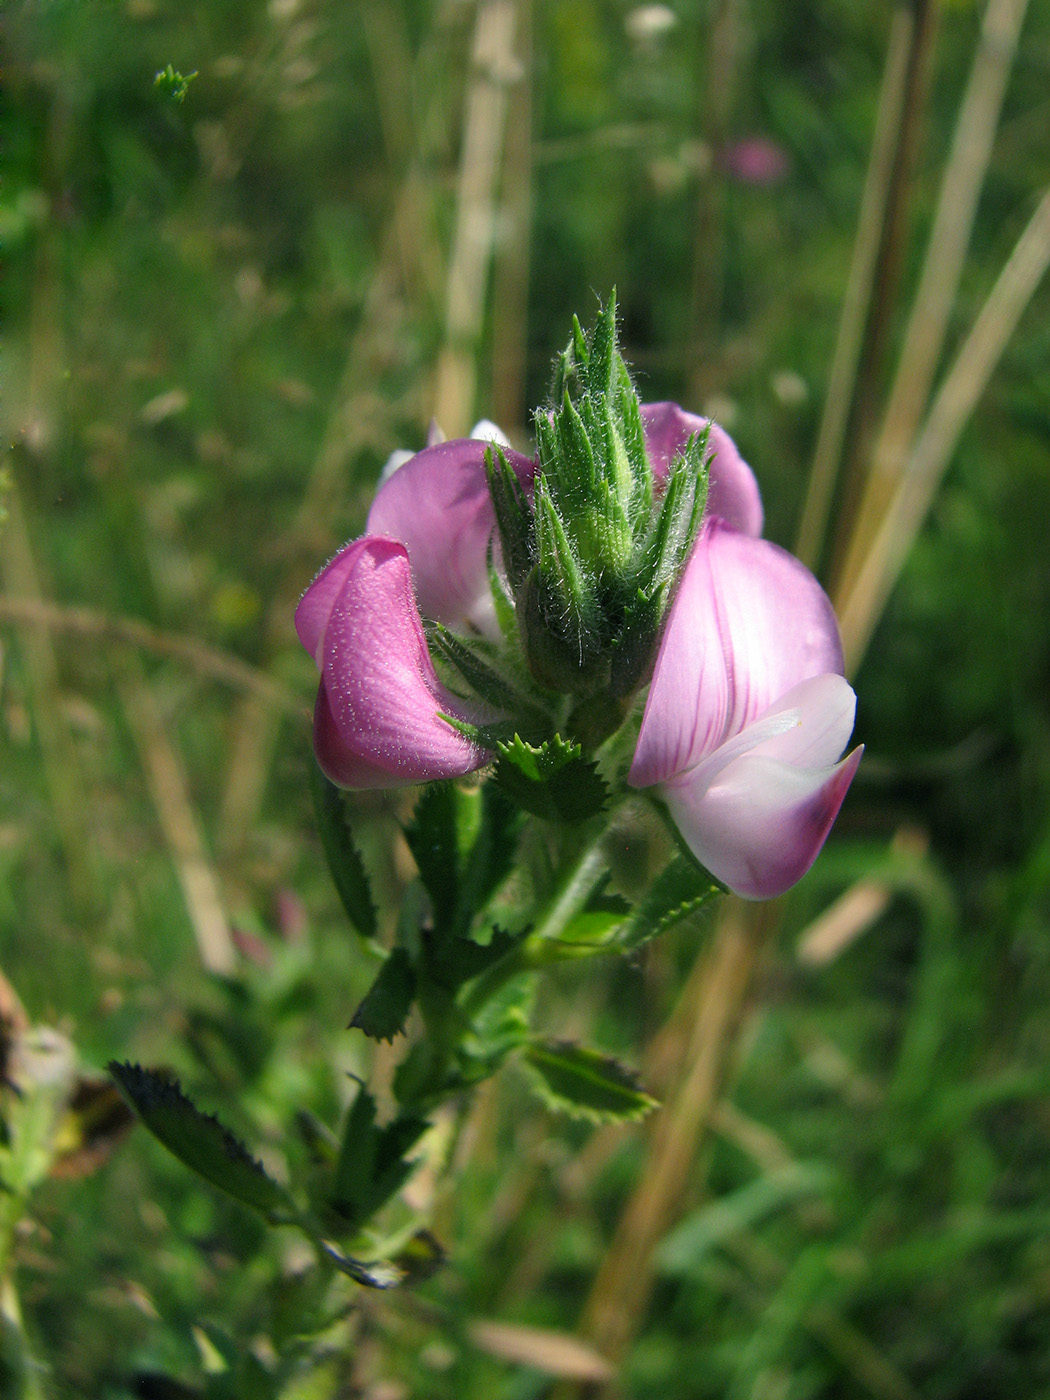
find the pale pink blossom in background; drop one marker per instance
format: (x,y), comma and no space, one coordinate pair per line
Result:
(755,160)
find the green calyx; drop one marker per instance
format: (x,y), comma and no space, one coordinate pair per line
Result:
(594,558)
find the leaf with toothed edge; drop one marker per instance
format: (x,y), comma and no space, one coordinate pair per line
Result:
(384,1010)
(344,861)
(586,1084)
(551,780)
(200,1141)
(682,888)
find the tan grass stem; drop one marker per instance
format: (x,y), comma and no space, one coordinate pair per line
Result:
(169,790)
(510,281)
(494,66)
(927,328)
(127,631)
(62,768)
(899,522)
(856,304)
(623,1285)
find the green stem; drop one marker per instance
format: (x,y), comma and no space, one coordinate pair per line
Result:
(570,895)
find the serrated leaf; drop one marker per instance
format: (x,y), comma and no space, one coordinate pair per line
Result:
(681,889)
(372,1165)
(200,1141)
(453,961)
(551,780)
(491,856)
(586,1084)
(433,840)
(382,1013)
(348,871)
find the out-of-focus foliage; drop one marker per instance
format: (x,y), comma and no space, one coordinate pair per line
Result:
(221,308)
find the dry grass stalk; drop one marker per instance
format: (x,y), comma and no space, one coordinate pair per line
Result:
(510,290)
(62,769)
(721,39)
(856,304)
(408,259)
(171,799)
(899,522)
(963,180)
(556,1353)
(359,416)
(128,631)
(494,67)
(622,1288)
(856,910)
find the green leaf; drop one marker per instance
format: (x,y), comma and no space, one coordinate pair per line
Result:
(680,890)
(513,516)
(173,84)
(492,855)
(453,961)
(200,1141)
(484,679)
(603,348)
(586,1084)
(433,840)
(371,1165)
(500,1027)
(345,863)
(382,1013)
(552,780)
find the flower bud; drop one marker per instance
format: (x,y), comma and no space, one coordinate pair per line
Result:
(594,559)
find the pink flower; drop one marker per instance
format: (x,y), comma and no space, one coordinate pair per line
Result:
(755,160)
(748,713)
(378,719)
(732,491)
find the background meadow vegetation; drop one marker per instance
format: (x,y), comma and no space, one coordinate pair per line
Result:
(224,307)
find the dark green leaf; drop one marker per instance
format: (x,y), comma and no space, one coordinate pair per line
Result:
(483,678)
(357,1155)
(680,890)
(433,840)
(200,1141)
(513,516)
(348,872)
(551,780)
(492,855)
(371,1164)
(586,1084)
(382,1013)
(453,961)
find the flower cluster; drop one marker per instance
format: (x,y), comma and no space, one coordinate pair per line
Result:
(629,552)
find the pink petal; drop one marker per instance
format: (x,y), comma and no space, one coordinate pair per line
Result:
(315,606)
(733,491)
(749,622)
(761,824)
(438,506)
(378,723)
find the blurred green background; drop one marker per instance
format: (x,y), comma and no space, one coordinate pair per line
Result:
(223,309)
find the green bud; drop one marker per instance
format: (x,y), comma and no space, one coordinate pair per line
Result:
(593,562)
